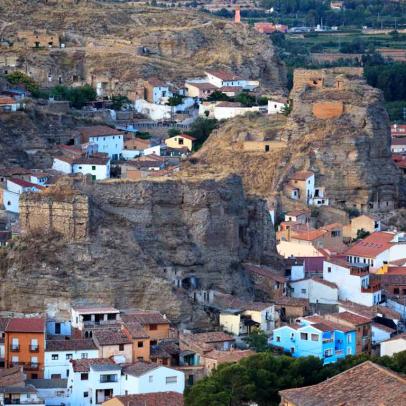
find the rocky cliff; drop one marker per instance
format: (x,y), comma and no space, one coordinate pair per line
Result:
(150,244)
(338,128)
(121,44)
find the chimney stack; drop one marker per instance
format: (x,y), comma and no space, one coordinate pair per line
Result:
(237,16)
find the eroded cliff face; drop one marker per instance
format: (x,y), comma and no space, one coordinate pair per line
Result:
(150,244)
(122,44)
(338,128)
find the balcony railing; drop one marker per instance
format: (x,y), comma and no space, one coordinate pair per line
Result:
(371,288)
(107,379)
(359,271)
(34,348)
(14,348)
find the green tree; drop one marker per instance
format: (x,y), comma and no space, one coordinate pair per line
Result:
(172,132)
(201,128)
(119,101)
(175,100)
(20,78)
(361,234)
(258,340)
(218,96)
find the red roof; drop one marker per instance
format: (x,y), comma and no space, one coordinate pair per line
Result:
(372,245)
(308,235)
(152,399)
(352,318)
(398,141)
(24,183)
(97,131)
(5,100)
(301,175)
(26,325)
(187,136)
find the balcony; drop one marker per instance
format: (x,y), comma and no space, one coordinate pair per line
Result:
(34,348)
(372,288)
(107,379)
(359,270)
(14,348)
(30,366)
(339,352)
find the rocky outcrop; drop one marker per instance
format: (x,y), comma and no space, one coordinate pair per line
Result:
(338,128)
(150,244)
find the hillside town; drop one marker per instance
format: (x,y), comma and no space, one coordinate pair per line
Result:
(189,216)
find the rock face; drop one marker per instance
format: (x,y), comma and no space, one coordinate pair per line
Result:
(338,128)
(119,45)
(151,243)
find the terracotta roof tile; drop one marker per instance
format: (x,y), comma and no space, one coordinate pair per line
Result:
(70,345)
(96,131)
(301,175)
(308,235)
(202,85)
(266,272)
(110,337)
(145,317)
(151,399)
(369,312)
(23,183)
(140,368)
(324,282)
(372,245)
(26,325)
(136,330)
(352,318)
(83,365)
(213,337)
(364,384)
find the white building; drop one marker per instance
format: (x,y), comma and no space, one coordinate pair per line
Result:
(109,140)
(223,110)
(381,333)
(59,353)
(54,392)
(377,249)
(220,78)
(394,345)
(93,381)
(88,316)
(20,395)
(352,281)
(316,290)
(96,166)
(162,111)
(276,106)
(14,188)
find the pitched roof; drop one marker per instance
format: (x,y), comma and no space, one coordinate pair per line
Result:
(229,356)
(295,213)
(110,337)
(224,75)
(290,301)
(352,318)
(48,383)
(70,345)
(364,384)
(369,312)
(266,272)
(7,100)
(26,325)
(140,368)
(327,324)
(213,337)
(96,131)
(228,104)
(308,235)
(230,89)
(3,323)
(90,160)
(313,264)
(23,183)
(136,330)
(372,245)
(152,399)
(145,317)
(187,136)
(137,144)
(384,328)
(83,365)
(301,175)
(324,282)
(156,82)
(397,337)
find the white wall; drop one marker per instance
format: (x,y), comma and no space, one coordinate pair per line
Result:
(155,150)
(13,187)
(379,335)
(62,166)
(392,347)
(112,145)
(223,113)
(297,272)
(297,249)
(11,201)
(145,384)
(275,107)
(130,153)
(62,364)
(100,171)
(54,396)
(314,291)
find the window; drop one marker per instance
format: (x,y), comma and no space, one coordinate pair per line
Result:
(151,379)
(54,357)
(315,337)
(153,327)
(304,336)
(171,379)
(349,339)
(329,269)
(69,356)
(83,355)
(278,339)
(14,359)
(335,233)
(349,351)
(60,393)
(67,373)
(395,291)
(140,344)
(328,353)
(84,376)
(121,347)
(56,376)
(292,350)
(303,290)
(85,394)
(93,167)
(15,344)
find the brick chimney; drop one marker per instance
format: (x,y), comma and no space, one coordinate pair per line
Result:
(237,16)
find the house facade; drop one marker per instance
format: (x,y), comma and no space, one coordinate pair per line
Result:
(14,188)
(315,289)
(24,344)
(181,141)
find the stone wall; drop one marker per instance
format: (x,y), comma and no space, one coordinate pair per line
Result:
(260,146)
(326,110)
(66,214)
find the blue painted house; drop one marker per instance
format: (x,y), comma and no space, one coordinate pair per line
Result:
(56,328)
(316,337)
